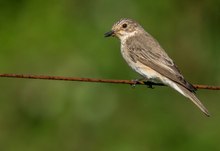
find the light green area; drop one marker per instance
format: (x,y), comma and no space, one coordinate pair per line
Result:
(65,38)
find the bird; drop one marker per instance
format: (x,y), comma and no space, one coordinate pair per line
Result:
(144,54)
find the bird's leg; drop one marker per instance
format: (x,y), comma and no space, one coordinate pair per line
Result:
(138,81)
(145,81)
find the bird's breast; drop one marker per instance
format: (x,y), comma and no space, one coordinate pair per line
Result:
(139,67)
(125,53)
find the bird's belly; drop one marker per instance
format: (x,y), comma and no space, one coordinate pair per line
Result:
(140,68)
(154,76)
(146,71)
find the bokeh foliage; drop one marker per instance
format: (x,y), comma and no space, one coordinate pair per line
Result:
(65,37)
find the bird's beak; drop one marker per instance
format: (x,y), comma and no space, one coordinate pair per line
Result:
(110,33)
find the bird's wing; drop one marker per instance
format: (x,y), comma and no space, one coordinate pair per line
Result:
(148,51)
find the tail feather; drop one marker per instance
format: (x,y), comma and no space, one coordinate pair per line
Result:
(191,96)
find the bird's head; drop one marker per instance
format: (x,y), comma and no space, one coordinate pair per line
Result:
(124,28)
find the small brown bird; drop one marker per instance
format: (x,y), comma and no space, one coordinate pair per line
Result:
(145,55)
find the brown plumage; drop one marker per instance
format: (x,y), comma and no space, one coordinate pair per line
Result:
(145,55)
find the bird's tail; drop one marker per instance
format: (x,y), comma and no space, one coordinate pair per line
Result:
(191,96)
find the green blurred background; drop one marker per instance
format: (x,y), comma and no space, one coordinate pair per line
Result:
(65,38)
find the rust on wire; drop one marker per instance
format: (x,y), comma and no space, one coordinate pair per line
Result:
(150,84)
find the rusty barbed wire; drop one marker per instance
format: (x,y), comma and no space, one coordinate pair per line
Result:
(131,82)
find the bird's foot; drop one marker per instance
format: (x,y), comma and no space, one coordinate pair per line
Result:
(138,81)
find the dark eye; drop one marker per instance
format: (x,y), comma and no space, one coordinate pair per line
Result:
(124,25)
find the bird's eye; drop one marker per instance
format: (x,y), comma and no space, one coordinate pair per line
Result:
(124,25)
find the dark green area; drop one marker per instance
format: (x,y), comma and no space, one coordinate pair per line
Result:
(65,37)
